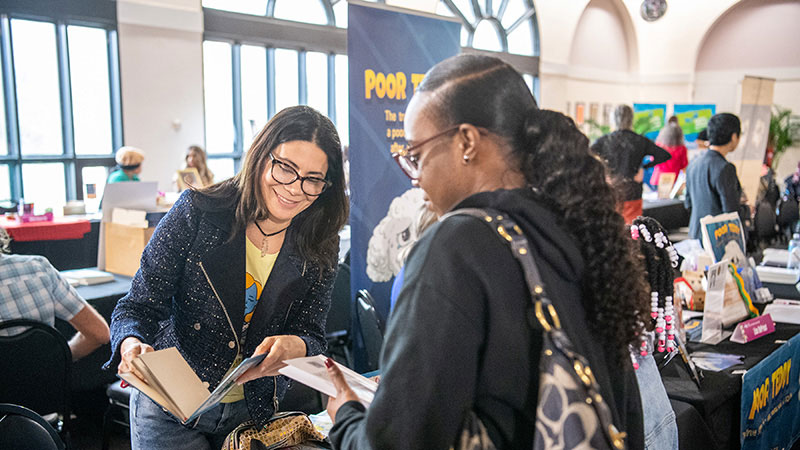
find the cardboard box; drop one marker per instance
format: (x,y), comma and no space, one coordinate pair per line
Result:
(124,246)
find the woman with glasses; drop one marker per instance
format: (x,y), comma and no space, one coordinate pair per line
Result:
(239,268)
(459,340)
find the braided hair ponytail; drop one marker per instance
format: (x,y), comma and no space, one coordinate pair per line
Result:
(660,259)
(557,163)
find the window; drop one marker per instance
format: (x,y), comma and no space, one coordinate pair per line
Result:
(91,93)
(38,97)
(60,119)
(286,73)
(217,82)
(255,106)
(299,57)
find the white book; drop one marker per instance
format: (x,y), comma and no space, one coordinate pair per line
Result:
(171,382)
(86,277)
(311,371)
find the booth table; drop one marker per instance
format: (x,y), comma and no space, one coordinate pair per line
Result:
(718,401)
(670,213)
(67,245)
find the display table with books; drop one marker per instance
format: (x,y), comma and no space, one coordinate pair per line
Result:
(719,399)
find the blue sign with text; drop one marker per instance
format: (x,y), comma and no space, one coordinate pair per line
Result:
(389,51)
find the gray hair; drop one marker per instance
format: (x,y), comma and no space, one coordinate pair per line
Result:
(623,117)
(5,241)
(670,136)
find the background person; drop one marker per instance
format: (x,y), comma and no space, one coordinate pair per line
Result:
(671,140)
(243,267)
(702,139)
(712,186)
(624,150)
(459,339)
(196,158)
(129,165)
(31,288)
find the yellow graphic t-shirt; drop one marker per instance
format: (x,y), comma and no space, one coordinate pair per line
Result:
(257,270)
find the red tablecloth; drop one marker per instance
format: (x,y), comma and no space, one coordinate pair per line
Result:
(46,231)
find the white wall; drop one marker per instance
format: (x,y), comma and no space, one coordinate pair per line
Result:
(760,38)
(697,53)
(161,71)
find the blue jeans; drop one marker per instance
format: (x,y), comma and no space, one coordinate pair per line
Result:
(660,429)
(152,428)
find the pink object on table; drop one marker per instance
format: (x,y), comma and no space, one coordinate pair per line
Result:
(752,329)
(28,218)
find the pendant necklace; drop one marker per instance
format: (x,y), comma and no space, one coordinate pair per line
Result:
(264,244)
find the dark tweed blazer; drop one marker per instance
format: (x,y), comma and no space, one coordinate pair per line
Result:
(189,293)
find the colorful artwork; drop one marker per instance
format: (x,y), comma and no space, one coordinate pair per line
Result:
(693,118)
(648,119)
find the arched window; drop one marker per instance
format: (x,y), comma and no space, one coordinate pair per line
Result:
(263,55)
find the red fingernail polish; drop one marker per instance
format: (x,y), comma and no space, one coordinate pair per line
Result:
(328,363)
(123,384)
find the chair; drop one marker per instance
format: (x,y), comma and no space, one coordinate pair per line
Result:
(788,214)
(117,412)
(371,328)
(23,429)
(35,369)
(339,320)
(765,222)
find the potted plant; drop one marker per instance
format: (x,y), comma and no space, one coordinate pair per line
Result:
(784,132)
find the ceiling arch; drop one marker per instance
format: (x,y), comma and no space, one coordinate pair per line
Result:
(605,38)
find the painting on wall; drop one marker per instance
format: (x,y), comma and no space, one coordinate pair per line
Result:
(579,112)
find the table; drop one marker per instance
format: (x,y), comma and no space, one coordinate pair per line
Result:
(718,401)
(670,213)
(58,229)
(64,254)
(780,290)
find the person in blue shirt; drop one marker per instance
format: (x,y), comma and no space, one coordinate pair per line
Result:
(129,165)
(712,186)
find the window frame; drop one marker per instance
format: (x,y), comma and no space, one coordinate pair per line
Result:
(239,29)
(272,34)
(87,13)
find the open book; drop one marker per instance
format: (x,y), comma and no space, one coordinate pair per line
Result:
(311,371)
(170,382)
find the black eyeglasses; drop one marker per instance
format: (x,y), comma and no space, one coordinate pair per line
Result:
(410,163)
(283,173)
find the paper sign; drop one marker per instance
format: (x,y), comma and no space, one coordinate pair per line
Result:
(665,182)
(715,300)
(752,329)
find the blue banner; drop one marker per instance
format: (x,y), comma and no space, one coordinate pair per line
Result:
(770,416)
(389,51)
(693,118)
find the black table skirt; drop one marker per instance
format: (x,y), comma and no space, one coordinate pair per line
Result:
(671,214)
(718,401)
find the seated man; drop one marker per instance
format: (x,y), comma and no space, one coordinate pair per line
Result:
(712,186)
(31,288)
